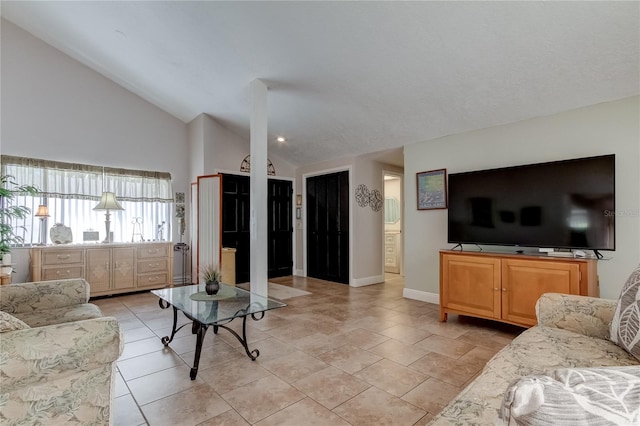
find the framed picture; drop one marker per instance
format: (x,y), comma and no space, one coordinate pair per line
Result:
(432,189)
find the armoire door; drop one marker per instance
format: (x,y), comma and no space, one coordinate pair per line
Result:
(235,225)
(235,221)
(280,228)
(328,227)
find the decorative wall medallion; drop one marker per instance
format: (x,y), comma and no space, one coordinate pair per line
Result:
(245,166)
(362,195)
(375,200)
(179,197)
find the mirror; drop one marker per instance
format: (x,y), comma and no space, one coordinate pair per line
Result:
(391,210)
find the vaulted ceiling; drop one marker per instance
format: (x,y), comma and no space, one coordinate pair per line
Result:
(347,78)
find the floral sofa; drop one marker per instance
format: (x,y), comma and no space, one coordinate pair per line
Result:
(57,355)
(564,351)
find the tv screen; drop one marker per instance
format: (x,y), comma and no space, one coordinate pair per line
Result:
(561,204)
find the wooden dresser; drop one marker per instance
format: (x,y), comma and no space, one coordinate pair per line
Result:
(506,287)
(109,268)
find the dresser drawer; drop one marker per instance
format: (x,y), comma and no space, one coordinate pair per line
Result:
(153,251)
(389,239)
(153,265)
(153,280)
(62,272)
(61,257)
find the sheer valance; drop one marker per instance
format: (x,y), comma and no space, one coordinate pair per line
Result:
(58,179)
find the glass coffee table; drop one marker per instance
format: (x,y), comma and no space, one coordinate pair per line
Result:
(217,311)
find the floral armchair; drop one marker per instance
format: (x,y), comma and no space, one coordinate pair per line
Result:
(57,355)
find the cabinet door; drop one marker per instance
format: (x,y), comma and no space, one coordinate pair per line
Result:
(98,269)
(471,284)
(123,268)
(524,281)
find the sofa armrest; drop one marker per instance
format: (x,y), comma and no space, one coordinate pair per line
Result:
(590,316)
(50,353)
(34,296)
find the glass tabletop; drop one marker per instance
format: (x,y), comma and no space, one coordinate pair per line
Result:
(232,302)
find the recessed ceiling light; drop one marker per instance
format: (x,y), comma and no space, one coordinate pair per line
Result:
(281,139)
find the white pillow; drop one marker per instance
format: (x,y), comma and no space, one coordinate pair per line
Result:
(625,325)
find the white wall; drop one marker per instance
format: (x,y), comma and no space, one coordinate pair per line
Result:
(606,128)
(55,108)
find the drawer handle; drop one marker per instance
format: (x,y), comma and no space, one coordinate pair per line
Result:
(63,274)
(62,257)
(154,265)
(153,279)
(152,251)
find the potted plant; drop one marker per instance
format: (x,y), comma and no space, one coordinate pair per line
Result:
(211,276)
(9,190)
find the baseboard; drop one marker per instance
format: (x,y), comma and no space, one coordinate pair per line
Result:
(298,273)
(423,296)
(361,282)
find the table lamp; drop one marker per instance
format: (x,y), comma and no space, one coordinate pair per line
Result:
(42,213)
(108,202)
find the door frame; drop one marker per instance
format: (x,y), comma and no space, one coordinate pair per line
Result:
(305,176)
(293,206)
(399,175)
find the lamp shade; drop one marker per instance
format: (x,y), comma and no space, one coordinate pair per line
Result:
(108,201)
(43,211)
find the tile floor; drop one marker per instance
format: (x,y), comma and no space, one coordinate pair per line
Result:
(339,356)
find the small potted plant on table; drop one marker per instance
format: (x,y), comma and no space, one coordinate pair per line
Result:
(211,276)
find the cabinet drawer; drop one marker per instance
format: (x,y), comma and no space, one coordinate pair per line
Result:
(390,250)
(389,239)
(60,257)
(62,273)
(149,280)
(153,251)
(153,265)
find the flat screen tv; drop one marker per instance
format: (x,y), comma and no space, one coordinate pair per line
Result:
(562,204)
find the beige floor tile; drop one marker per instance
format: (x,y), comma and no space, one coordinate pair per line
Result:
(445,346)
(399,352)
(141,347)
(331,386)
(126,412)
(450,329)
(133,334)
(261,398)
(478,356)
(159,385)
(149,363)
(232,374)
(215,354)
(120,386)
(405,334)
(446,369)
(318,343)
(478,338)
(130,323)
(294,366)
(228,418)
(364,339)
(376,407)
(432,395)
(189,407)
(272,348)
(391,377)
(373,324)
(306,412)
(349,358)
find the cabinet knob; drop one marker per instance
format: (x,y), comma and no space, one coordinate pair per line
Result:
(504,289)
(63,273)
(496,289)
(62,257)
(153,278)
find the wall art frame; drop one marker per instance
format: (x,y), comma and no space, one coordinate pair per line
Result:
(431,189)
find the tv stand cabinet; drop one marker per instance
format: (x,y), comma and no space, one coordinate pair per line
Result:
(505,287)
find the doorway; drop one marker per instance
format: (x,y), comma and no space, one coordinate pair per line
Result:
(327,221)
(393,224)
(236,224)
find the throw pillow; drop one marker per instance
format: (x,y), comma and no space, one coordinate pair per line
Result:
(625,326)
(10,323)
(575,396)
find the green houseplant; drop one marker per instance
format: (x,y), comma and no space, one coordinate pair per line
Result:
(9,211)
(211,276)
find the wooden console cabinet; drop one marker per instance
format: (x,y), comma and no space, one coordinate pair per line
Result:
(109,268)
(505,287)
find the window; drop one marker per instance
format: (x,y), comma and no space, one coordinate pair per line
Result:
(71,191)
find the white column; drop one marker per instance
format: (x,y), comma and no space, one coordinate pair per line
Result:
(258,192)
